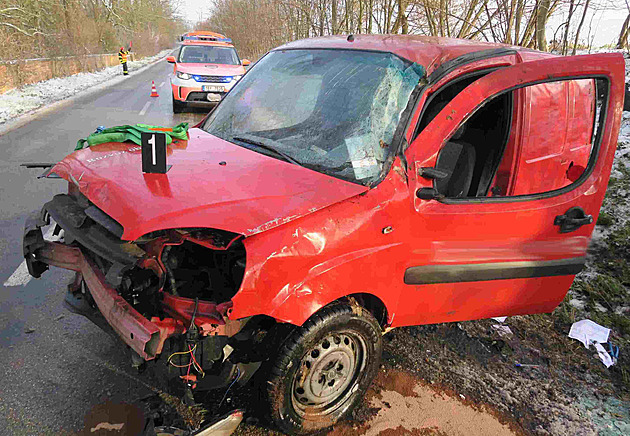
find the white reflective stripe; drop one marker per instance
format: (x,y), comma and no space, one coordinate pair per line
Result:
(144,109)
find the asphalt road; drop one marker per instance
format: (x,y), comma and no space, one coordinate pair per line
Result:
(55,367)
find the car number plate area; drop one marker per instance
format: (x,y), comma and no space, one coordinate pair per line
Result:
(212,88)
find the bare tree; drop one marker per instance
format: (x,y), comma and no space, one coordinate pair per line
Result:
(577,32)
(541,22)
(625,30)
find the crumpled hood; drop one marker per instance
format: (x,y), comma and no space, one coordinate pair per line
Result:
(211,69)
(212,183)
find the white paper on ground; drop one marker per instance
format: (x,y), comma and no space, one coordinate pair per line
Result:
(501,319)
(603,355)
(503,330)
(587,332)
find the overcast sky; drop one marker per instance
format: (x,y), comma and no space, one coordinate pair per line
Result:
(605,25)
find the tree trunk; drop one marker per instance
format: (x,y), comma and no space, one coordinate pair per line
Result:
(401,18)
(441,17)
(565,38)
(430,20)
(623,35)
(510,23)
(541,22)
(577,32)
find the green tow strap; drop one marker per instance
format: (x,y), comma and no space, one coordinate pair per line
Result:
(133,134)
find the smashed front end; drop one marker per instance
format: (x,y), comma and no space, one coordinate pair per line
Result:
(167,295)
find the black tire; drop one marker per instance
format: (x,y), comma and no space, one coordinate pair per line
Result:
(178,106)
(336,335)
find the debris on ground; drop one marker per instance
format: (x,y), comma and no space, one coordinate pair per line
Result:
(591,333)
(588,332)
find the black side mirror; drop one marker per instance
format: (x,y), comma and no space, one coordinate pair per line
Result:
(432,173)
(428,194)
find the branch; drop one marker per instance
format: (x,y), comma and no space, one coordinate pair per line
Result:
(24,32)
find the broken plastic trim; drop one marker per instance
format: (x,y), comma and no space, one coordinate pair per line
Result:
(145,337)
(135,330)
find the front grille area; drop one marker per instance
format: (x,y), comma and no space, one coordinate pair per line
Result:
(200,96)
(213,79)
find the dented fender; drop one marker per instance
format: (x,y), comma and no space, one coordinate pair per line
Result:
(355,246)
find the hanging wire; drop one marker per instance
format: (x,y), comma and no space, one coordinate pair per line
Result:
(181,353)
(192,362)
(238,374)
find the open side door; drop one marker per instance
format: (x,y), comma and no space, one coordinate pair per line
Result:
(477,254)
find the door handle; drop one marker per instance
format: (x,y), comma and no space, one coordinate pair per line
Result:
(572,220)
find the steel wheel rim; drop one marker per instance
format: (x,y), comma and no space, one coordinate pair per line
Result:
(328,374)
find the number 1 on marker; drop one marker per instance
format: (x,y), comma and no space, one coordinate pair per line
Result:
(152,143)
(153,152)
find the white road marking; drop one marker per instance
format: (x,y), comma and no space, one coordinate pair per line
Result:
(144,109)
(20,276)
(162,84)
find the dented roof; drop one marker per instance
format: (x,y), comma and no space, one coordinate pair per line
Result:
(428,51)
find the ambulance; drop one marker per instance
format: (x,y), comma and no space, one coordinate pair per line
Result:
(206,67)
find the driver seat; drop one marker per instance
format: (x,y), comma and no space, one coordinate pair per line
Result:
(457,158)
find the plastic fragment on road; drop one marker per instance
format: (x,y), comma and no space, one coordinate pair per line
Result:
(108,427)
(503,330)
(589,332)
(223,426)
(132,133)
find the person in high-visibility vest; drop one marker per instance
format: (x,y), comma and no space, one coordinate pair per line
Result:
(122,57)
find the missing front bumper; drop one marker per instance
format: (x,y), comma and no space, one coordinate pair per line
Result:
(146,337)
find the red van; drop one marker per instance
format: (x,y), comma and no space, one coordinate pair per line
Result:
(206,67)
(344,187)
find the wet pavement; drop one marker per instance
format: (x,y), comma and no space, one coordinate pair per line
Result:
(56,366)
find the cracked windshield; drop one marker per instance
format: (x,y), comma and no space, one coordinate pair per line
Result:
(332,111)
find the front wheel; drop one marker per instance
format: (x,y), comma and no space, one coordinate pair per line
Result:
(324,369)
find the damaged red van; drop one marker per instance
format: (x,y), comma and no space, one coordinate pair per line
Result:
(344,187)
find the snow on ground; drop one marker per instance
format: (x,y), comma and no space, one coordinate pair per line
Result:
(21,100)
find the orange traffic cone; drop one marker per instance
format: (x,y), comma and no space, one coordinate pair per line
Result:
(153,90)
